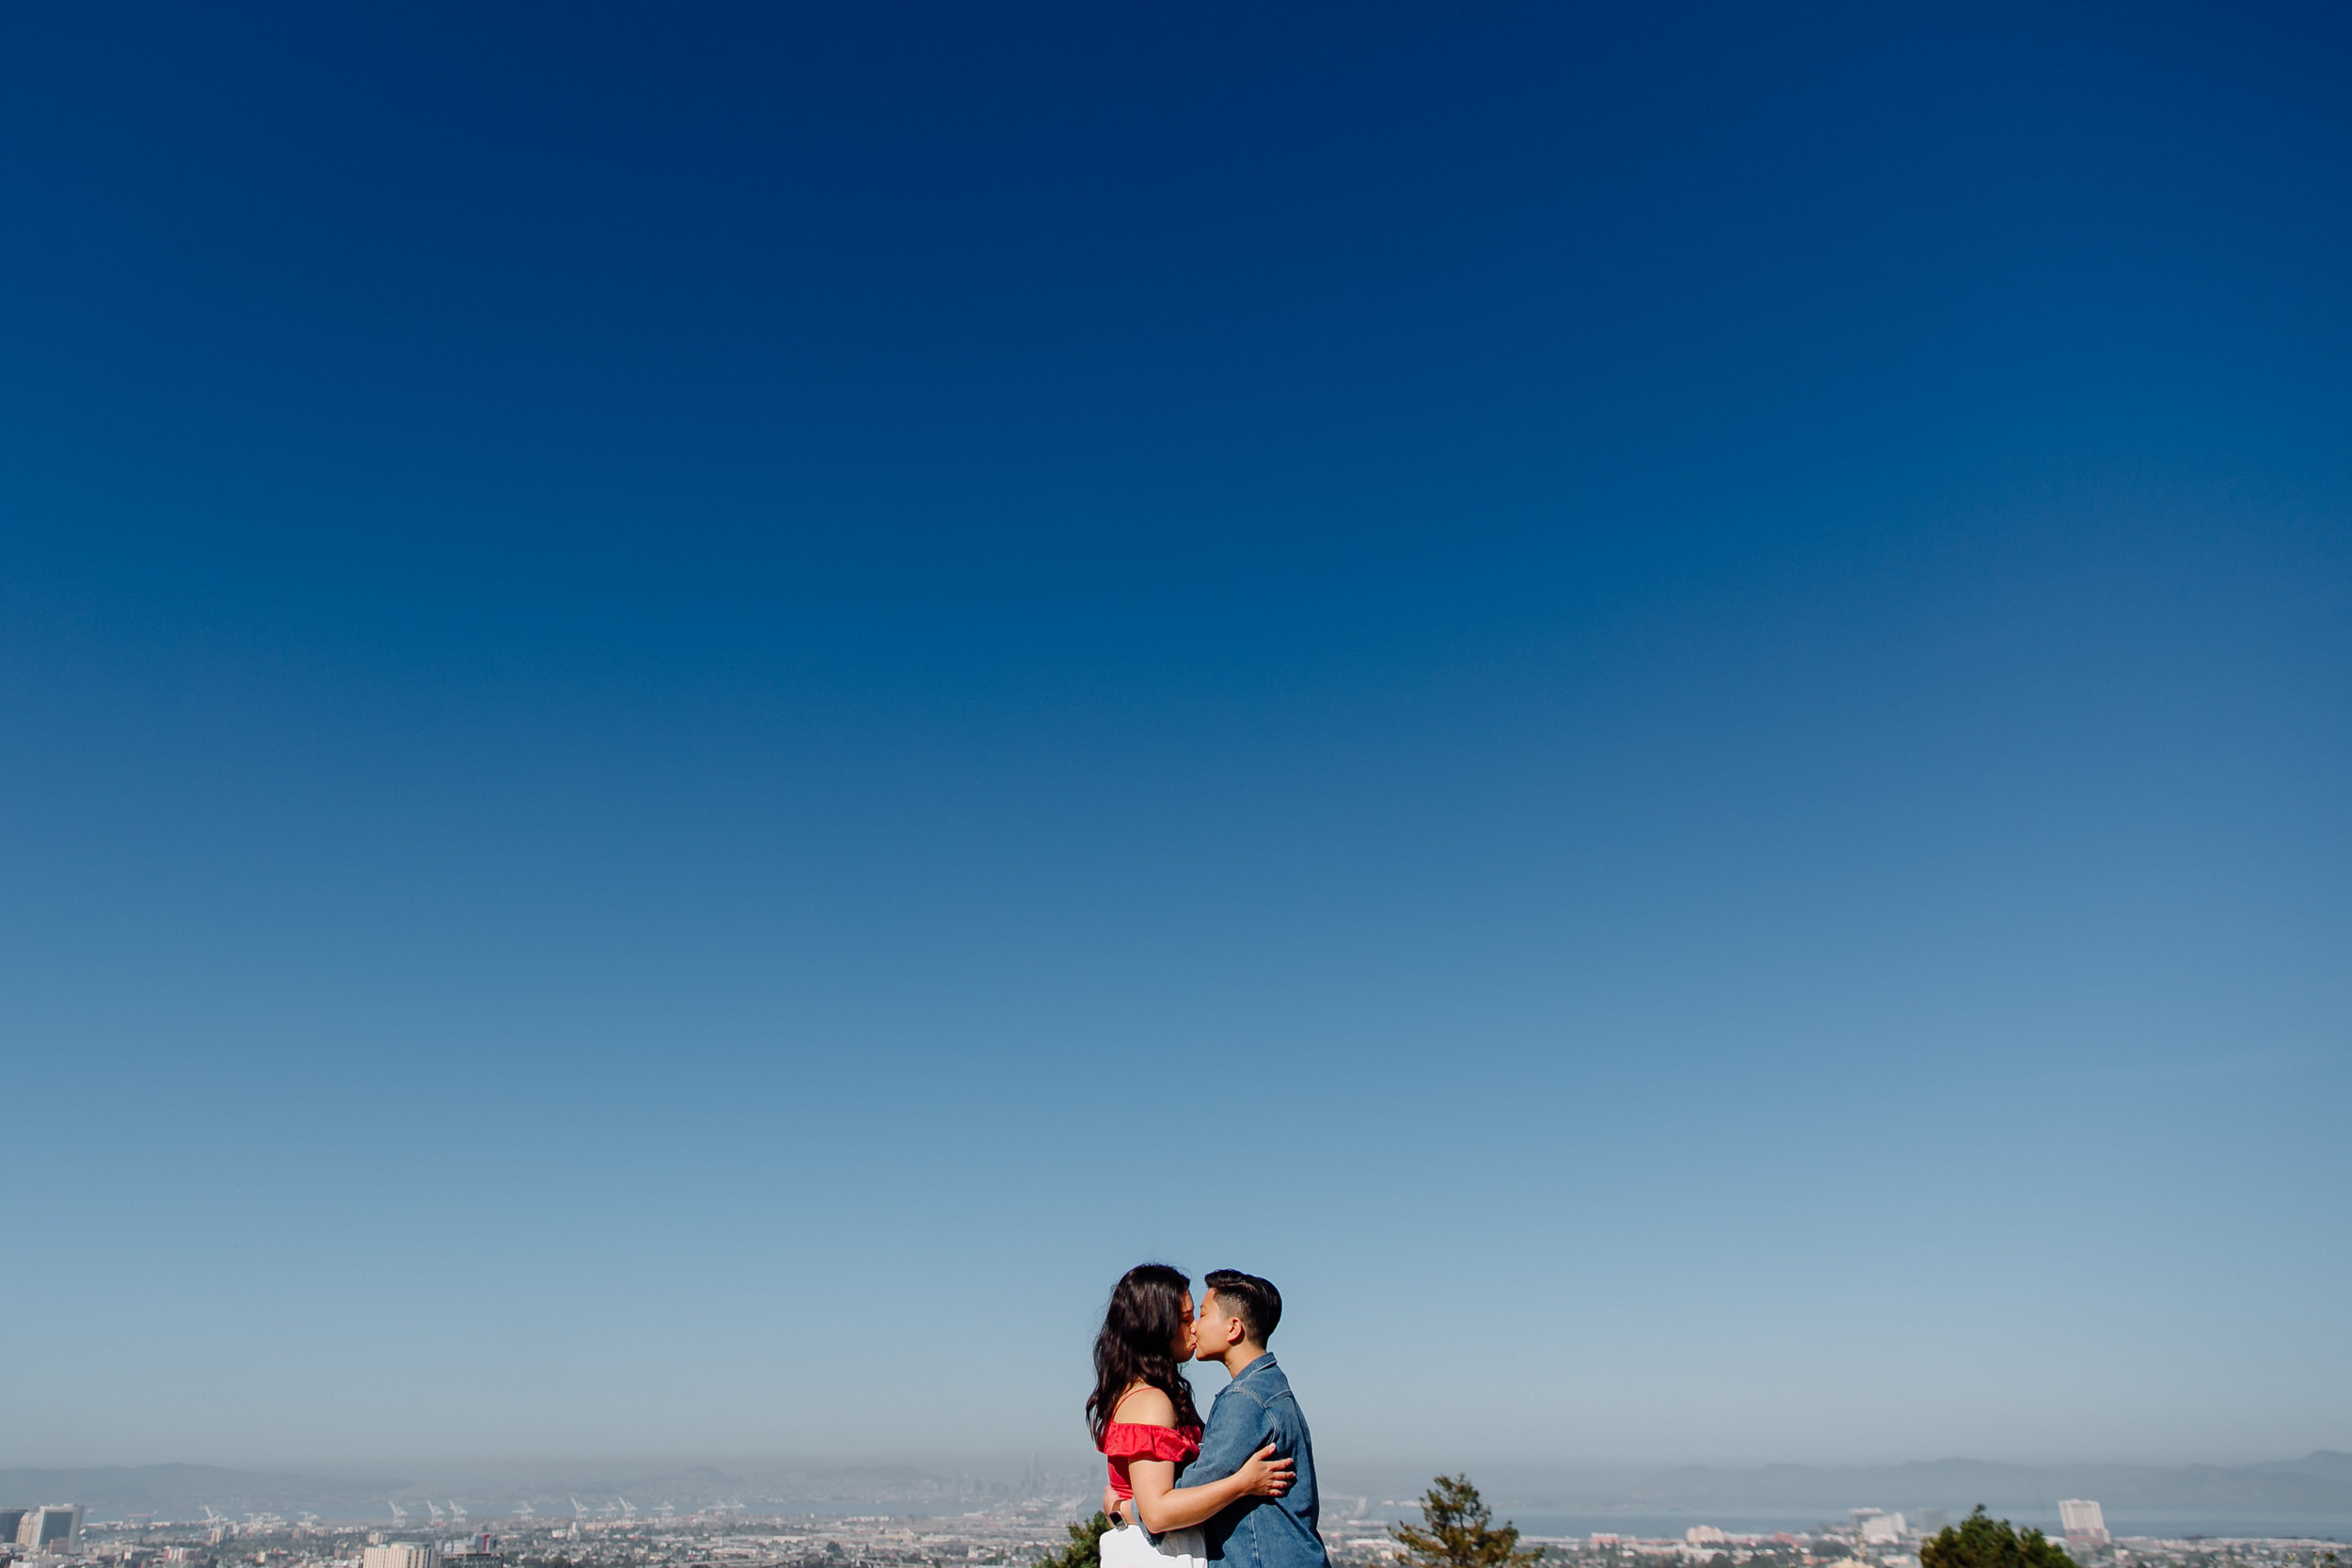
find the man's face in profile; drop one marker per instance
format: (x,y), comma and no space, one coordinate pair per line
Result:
(1217,1331)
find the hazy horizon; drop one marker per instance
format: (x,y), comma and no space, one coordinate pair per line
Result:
(1075,1448)
(2308,1497)
(427,1465)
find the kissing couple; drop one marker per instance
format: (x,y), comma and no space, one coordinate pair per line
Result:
(1238,1490)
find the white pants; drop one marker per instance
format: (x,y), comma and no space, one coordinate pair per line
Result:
(1128,1548)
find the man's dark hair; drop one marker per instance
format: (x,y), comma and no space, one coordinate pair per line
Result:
(1255,1301)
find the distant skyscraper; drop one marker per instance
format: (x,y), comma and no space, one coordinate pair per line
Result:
(54,1528)
(12,1520)
(2085,1525)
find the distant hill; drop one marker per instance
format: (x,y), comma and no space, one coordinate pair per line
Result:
(2326,1463)
(494,1489)
(185,1491)
(2299,1485)
(2319,1484)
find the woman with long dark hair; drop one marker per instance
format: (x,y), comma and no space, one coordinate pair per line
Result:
(1142,1416)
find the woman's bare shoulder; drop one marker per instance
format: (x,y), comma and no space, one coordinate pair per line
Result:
(1145,1405)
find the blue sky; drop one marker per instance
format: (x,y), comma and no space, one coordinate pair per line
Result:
(704,711)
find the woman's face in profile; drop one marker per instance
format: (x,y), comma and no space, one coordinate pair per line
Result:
(1183,1347)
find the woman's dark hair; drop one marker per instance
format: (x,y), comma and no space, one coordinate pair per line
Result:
(1146,1314)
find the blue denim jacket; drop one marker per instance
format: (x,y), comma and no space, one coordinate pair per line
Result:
(1261,1532)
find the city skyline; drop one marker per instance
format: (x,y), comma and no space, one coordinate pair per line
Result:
(494,1531)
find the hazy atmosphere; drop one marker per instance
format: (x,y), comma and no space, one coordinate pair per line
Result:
(700,711)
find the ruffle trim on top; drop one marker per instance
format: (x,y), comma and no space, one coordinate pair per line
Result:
(1134,1440)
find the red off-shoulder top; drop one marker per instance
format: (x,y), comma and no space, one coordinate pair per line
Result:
(1123,1442)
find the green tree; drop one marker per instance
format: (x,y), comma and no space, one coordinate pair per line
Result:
(1982,1541)
(1086,1546)
(1456,1531)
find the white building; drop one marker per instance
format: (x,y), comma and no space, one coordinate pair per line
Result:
(2085,1525)
(400,1554)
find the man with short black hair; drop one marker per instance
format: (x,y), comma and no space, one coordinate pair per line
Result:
(1255,1301)
(1236,1318)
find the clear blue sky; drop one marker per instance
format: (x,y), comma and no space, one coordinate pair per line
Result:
(703,708)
